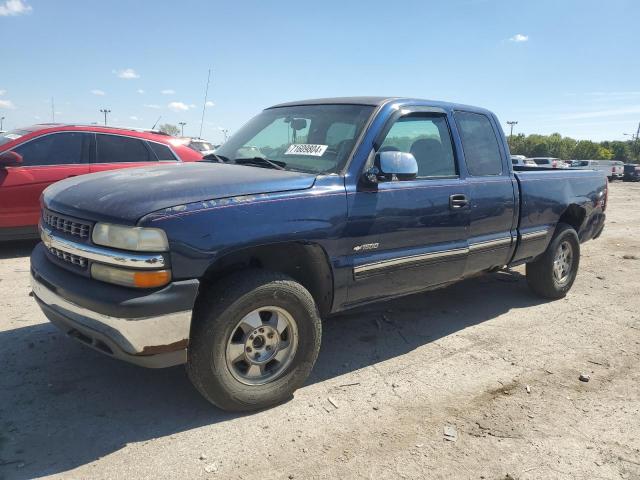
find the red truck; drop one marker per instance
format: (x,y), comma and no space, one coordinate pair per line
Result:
(33,158)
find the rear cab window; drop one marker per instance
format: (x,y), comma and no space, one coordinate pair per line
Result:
(479,143)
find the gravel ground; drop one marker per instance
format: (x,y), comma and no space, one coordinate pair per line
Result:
(428,386)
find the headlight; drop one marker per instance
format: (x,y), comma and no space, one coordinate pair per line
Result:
(130,238)
(130,278)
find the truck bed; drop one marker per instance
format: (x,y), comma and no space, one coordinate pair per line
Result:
(544,197)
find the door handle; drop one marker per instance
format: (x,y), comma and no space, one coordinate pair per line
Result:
(458,201)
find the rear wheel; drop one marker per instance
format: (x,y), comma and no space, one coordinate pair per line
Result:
(552,274)
(254,340)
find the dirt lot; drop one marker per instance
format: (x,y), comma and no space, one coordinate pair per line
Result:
(389,381)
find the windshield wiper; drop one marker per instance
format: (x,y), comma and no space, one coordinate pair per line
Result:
(260,161)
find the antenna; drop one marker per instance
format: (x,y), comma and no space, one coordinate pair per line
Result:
(154,125)
(204,105)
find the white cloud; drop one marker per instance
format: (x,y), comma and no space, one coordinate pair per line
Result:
(167,91)
(210,104)
(133,117)
(151,105)
(632,110)
(519,38)
(11,8)
(127,74)
(98,92)
(2,92)
(140,91)
(8,104)
(179,106)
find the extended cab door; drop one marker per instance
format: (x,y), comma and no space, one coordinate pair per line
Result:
(407,235)
(117,151)
(45,160)
(492,192)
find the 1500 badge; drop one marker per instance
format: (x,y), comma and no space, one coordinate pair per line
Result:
(366,246)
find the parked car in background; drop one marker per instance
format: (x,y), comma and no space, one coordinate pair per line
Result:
(202,146)
(522,161)
(631,172)
(617,169)
(549,162)
(229,266)
(32,158)
(613,169)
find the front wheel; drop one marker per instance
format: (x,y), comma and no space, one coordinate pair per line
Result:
(552,274)
(254,340)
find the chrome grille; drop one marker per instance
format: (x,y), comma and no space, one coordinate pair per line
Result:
(69,257)
(66,225)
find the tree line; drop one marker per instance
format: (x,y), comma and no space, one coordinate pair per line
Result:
(567,148)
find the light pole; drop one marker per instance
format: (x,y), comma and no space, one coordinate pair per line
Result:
(225,132)
(511,124)
(182,124)
(105,111)
(1,122)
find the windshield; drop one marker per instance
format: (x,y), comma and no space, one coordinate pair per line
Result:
(307,138)
(7,137)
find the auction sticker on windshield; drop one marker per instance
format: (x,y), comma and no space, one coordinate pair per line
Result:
(306,149)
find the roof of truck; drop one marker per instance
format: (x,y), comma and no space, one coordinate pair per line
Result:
(378,101)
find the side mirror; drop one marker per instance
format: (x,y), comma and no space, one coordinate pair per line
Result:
(388,164)
(10,159)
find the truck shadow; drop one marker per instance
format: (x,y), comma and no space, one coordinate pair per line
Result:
(63,405)
(17,249)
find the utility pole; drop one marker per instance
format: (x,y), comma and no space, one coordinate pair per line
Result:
(511,124)
(1,122)
(225,132)
(105,111)
(635,144)
(182,124)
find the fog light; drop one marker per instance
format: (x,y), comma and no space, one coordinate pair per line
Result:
(130,278)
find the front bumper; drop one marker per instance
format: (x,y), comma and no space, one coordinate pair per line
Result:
(148,328)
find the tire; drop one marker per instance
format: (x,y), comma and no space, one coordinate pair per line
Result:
(543,277)
(262,302)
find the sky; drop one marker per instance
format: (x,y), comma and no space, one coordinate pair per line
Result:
(567,66)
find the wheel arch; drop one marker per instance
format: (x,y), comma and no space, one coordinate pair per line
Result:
(574,216)
(305,262)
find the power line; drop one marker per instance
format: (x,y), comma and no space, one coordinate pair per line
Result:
(204,105)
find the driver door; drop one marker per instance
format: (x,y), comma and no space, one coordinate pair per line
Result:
(407,235)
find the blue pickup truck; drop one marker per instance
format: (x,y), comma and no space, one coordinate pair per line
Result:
(313,207)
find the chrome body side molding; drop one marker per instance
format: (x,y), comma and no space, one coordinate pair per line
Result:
(407,261)
(534,235)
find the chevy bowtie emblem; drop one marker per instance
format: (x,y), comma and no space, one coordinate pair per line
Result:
(45,236)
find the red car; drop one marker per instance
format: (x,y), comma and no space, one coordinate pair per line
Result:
(33,158)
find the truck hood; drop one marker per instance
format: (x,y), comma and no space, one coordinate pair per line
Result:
(124,196)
